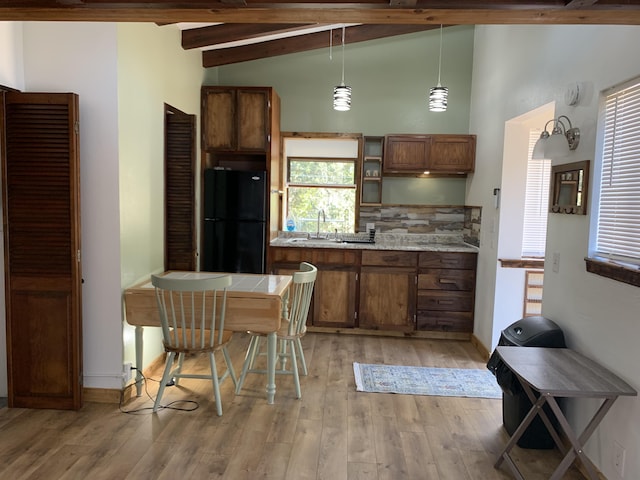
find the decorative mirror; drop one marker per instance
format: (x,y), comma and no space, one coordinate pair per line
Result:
(569,188)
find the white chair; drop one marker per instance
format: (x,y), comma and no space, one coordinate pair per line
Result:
(291,331)
(192,313)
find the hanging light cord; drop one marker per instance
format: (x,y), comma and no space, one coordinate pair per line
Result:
(342,55)
(440,59)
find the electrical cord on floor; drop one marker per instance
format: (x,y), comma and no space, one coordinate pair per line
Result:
(169,406)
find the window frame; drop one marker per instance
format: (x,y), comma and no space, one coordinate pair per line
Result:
(609,264)
(355,186)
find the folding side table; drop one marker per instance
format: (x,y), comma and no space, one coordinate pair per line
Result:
(560,373)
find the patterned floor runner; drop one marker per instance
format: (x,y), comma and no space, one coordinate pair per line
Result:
(448,382)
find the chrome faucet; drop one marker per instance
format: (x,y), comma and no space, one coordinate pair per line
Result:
(324,219)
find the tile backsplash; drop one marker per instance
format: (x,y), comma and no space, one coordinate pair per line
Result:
(463,220)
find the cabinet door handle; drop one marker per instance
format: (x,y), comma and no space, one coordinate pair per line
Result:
(450,262)
(445,302)
(447,281)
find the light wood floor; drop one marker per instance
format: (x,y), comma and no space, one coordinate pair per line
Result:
(332,433)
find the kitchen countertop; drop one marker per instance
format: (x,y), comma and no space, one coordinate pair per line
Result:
(383,241)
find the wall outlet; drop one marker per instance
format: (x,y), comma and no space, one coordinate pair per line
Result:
(127,372)
(618,458)
(555,266)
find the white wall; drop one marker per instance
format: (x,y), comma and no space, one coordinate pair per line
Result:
(11,75)
(509,287)
(82,60)
(123,75)
(518,69)
(11,71)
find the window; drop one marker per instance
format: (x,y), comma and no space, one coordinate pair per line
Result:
(536,205)
(327,184)
(618,226)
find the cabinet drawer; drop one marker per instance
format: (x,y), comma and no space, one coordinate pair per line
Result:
(444,321)
(326,256)
(390,258)
(445,301)
(318,256)
(290,255)
(448,260)
(446,279)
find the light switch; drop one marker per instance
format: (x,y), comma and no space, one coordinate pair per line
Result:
(556,262)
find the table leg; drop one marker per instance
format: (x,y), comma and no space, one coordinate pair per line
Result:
(578,442)
(271,366)
(516,436)
(139,336)
(545,419)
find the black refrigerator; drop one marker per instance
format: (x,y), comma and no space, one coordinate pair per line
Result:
(235,213)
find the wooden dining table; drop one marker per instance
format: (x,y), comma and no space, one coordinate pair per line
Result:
(255,302)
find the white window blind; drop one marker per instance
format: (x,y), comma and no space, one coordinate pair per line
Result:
(536,204)
(619,207)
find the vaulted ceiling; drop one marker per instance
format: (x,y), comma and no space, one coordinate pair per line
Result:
(231,31)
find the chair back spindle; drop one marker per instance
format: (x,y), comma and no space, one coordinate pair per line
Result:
(192,314)
(294,326)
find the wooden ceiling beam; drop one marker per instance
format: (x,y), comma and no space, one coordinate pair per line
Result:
(232,32)
(625,12)
(303,43)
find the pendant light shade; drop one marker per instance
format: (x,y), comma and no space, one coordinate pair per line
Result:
(438,95)
(438,98)
(342,98)
(342,93)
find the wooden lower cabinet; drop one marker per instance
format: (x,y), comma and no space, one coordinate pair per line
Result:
(387,298)
(446,291)
(334,293)
(383,290)
(334,299)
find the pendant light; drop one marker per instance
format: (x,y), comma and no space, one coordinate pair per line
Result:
(438,94)
(342,93)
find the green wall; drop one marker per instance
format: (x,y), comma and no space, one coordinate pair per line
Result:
(390,79)
(152,70)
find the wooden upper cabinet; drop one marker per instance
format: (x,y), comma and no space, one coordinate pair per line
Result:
(253,119)
(236,119)
(406,153)
(452,153)
(437,154)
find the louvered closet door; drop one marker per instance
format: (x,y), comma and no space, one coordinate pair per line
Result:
(180,235)
(41,191)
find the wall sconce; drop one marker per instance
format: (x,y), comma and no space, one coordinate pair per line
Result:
(559,142)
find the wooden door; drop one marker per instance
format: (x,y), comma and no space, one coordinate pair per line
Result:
(179,181)
(41,218)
